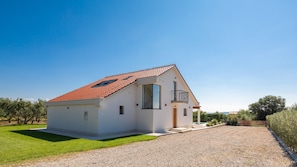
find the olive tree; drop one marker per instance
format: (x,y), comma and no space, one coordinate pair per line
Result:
(22,111)
(267,106)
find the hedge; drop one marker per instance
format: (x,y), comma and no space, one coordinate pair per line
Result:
(284,125)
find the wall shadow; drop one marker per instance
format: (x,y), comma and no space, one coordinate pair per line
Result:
(44,136)
(114,138)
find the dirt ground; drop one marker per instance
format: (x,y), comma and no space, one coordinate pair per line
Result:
(221,146)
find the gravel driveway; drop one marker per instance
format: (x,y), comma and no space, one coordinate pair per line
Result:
(221,146)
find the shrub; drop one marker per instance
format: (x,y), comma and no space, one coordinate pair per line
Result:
(209,124)
(218,116)
(214,122)
(245,115)
(232,122)
(284,125)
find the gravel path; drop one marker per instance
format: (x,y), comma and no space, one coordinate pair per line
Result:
(222,146)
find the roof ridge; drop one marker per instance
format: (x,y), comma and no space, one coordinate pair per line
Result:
(140,70)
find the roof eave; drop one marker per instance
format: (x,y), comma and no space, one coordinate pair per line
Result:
(95,102)
(191,92)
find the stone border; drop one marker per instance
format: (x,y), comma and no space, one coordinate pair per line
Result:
(284,146)
(209,127)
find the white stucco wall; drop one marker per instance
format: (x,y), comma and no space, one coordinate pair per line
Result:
(71,118)
(104,117)
(110,121)
(159,120)
(145,120)
(164,118)
(144,117)
(184,121)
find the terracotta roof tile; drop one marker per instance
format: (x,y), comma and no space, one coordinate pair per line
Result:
(123,80)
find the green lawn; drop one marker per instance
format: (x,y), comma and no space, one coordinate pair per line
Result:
(19,143)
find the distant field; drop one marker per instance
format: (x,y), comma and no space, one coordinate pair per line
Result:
(19,143)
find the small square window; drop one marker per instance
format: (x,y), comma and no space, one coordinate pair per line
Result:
(185,112)
(86,115)
(121,110)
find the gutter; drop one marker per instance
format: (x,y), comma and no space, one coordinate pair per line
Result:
(95,102)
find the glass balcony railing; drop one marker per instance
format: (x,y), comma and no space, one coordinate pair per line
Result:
(179,96)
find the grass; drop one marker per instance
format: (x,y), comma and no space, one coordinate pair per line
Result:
(19,143)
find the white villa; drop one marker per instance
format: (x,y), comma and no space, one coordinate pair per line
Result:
(151,100)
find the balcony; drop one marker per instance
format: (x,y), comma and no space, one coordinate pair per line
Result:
(179,96)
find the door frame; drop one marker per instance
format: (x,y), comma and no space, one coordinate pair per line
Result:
(174,117)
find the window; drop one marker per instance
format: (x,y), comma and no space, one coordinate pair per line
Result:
(121,110)
(174,91)
(151,96)
(127,77)
(86,115)
(185,112)
(104,83)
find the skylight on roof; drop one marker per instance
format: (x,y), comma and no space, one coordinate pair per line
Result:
(104,83)
(128,77)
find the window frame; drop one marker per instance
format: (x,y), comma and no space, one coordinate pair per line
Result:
(174,90)
(121,110)
(155,96)
(185,112)
(86,115)
(104,83)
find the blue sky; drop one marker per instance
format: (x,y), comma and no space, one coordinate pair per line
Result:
(230,52)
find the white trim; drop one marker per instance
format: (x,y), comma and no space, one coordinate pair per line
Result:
(95,102)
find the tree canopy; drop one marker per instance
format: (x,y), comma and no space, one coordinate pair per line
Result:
(21,111)
(245,115)
(267,106)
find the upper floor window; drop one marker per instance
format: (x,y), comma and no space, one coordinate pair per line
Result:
(151,96)
(174,91)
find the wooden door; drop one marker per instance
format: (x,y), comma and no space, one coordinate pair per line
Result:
(174,117)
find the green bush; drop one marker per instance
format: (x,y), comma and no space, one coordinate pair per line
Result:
(284,125)
(218,116)
(206,117)
(232,121)
(209,124)
(246,115)
(203,116)
(214,122)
